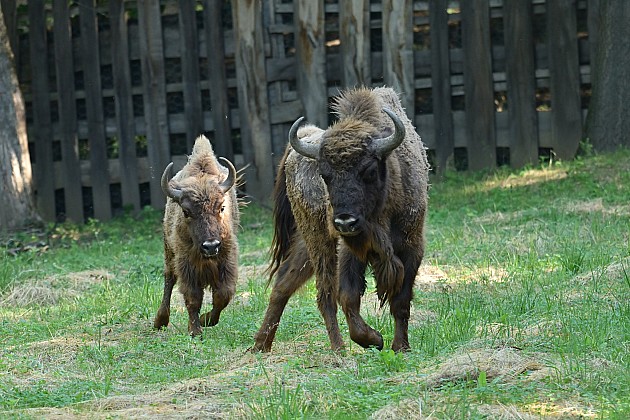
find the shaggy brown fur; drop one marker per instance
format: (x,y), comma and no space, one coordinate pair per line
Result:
(200,246)
(352,206)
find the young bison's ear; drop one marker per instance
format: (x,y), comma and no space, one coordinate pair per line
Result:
(174,193)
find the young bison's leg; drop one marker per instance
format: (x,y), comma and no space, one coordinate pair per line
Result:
(292,274)
(193,297)
(222,292)
(400,303)
(351,288)
(164,312)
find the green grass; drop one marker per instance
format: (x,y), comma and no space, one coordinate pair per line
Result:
(522,307)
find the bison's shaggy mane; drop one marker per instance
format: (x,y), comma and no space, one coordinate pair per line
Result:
(360,104)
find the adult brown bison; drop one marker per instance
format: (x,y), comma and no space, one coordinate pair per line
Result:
(200,247)
(347,197)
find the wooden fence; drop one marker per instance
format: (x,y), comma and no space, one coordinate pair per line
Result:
(117,89)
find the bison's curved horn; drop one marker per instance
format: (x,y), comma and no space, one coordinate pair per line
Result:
(309,150)
(231,179)
(173,193)
(386,144)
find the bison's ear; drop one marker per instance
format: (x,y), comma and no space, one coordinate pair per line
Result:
(169,191)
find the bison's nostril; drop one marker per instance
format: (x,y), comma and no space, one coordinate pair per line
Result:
(211,247)
(345,223)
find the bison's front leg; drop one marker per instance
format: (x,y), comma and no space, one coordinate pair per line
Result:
(193,297)
(164,312)
(222,292)
(400,303)
(351,288)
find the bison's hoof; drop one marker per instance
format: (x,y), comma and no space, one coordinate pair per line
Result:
(401,347)
(206,320)
(259,348)
(160,323)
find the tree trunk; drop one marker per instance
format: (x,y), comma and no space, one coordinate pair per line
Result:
(608,122)
(18,207)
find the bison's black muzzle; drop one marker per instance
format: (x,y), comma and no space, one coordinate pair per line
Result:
(211,248)
(346,224)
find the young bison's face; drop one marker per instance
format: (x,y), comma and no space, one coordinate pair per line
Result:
(351,158)
(204,216)
(204,207)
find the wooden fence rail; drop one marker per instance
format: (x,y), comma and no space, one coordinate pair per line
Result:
(117,89)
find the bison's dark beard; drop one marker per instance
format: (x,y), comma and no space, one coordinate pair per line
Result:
(375,247)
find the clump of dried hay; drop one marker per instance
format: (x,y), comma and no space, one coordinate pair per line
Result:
(51,290)
(505,363)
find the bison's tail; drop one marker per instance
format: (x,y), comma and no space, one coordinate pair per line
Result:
(283,221)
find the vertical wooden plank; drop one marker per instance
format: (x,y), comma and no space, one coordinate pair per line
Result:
(564,77)
(478,85)
(217,80)
(354,34)
(190,70)
(593,22)
(441,84)
(124,106)
(99,173)
(41,132)
(521,82)
(398,69)
(251,77)
(67,112)
(154,95)
(310,53)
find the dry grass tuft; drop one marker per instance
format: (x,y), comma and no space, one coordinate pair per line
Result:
(405,409)
(51,290)
(505,363)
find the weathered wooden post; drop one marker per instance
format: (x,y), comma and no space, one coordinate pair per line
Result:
(217,80)
(398,69)
(441,84)
(521,82)
(354,34)
(91,61)
(124,106)
(41,132)
(478,85)
(154,95)
(564,78)
(253,99)
(67,112)
(311,60)
(190,70)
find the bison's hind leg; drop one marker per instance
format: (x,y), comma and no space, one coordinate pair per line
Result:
(400,303)
(164,311)
(292,274)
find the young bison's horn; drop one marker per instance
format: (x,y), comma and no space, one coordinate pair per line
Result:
(173,193)
(303,147)
(231,179)
(386,144)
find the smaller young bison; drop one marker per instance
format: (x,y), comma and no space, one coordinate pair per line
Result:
(200,247)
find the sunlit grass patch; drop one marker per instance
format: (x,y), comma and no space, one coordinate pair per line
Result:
(521,309)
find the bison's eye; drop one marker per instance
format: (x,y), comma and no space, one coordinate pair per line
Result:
(370,174)
(186,213)
(222,209)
